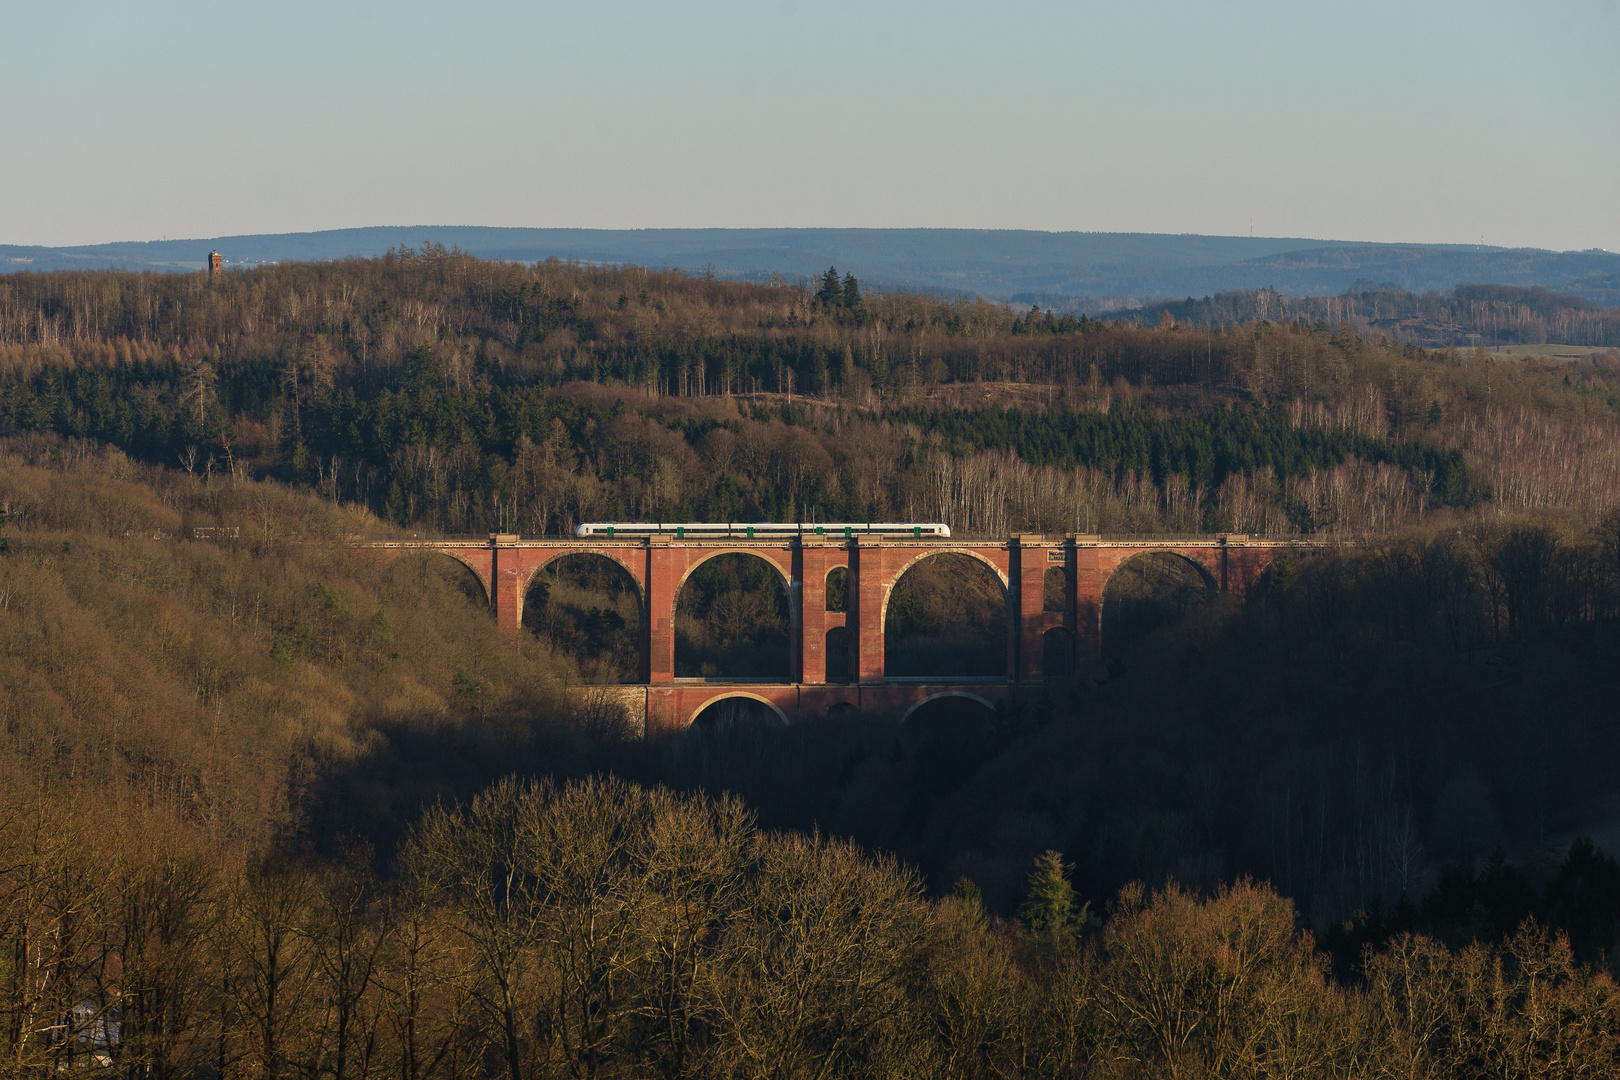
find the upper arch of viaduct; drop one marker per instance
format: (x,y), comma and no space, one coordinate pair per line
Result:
(769,558)
(1207,564)
(659,565)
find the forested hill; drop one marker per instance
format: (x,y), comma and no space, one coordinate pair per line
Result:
(447,392)
(1487,315)
(1092,270)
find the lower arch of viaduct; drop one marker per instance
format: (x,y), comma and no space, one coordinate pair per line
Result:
(659,565)
(673,706)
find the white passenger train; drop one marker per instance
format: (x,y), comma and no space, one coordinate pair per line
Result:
(762,530)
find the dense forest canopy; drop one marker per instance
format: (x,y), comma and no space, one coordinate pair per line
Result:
(449,393)
(605,929)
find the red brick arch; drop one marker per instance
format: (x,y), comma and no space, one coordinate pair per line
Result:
(999,570)
(1208,567)
(481,574)
(727,695)
(1207,563)
(785,573)
(888,588)
(525,574)
(476,559)
(968,694)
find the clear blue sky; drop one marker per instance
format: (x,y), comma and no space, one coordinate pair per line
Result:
(1412,121)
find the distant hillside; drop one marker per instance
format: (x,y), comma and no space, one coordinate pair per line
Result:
(451,393)
(1080,272)
(1323,271)
(1467,315)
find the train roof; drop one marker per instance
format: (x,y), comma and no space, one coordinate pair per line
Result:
(764,528)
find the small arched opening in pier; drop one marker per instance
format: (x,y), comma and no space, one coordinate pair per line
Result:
(1055,590)
(839,662)
(838,589)
(1057,654)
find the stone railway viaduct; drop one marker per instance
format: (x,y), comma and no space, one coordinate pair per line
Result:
(505,565)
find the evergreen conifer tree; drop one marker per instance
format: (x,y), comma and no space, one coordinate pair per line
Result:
(1049,910)
(831,294)
(880,369)
(818,373)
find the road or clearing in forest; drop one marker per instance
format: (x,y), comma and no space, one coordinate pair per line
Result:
(1552,352)
(1031,397)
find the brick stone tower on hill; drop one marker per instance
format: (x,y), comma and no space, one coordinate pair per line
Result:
(216,263)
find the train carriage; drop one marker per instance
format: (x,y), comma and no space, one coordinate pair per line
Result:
(762,530)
